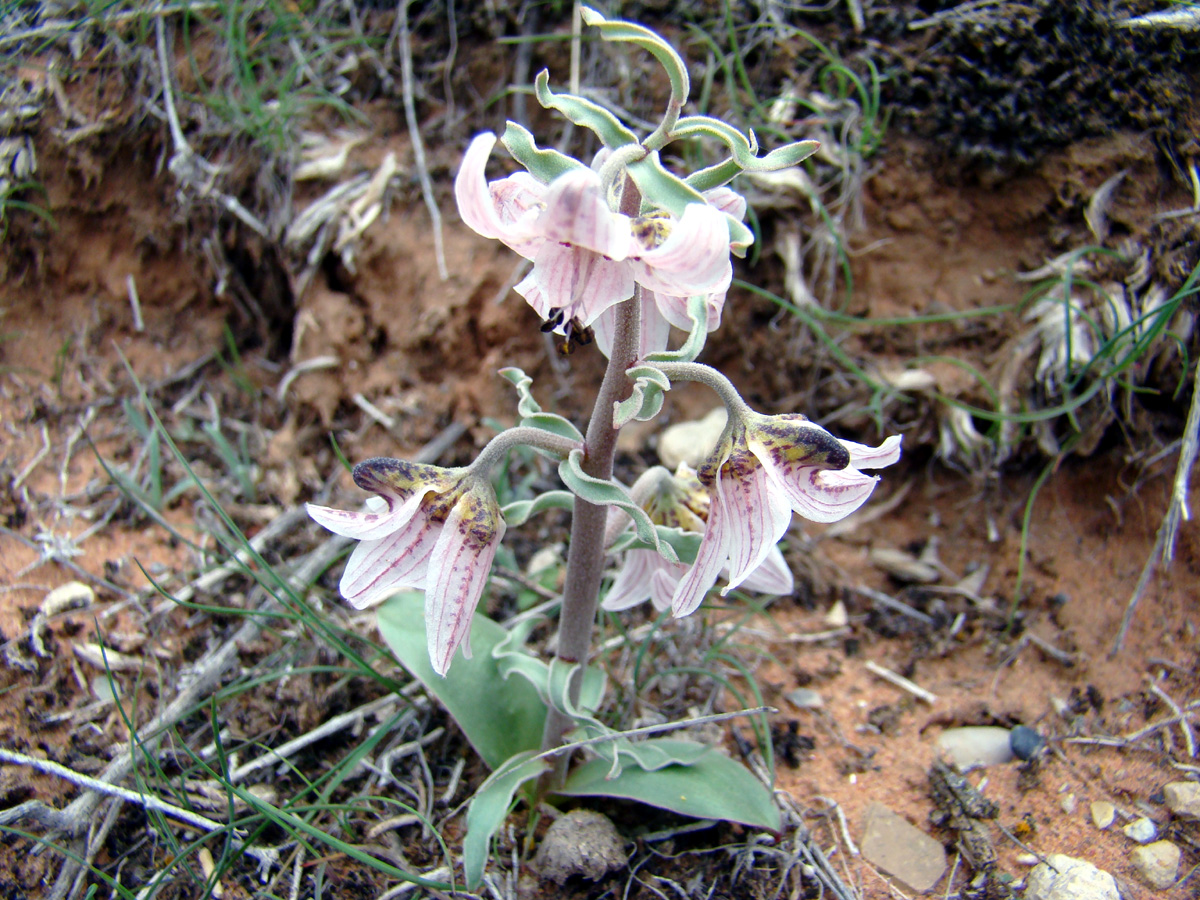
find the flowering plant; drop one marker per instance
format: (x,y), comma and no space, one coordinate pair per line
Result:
(627,249)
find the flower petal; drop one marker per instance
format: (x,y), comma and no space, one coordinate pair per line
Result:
(663,583)
(366,526)
(581,283)
(863,456)
(710,559)
(772,575)
(632,584)
(727,201)
(459,567)
(824,495)
(377,569)
(694,259)
(675,309)
(507,209)
(759,514)
(655,330)
(575,213)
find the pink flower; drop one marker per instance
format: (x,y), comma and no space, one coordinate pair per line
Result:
(430,529)
(766,468)
(587,258)
(678,501)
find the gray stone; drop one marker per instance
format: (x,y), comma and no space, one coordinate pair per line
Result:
(1141,830)
(691,442)
(583,843)
(805,698)
(1103,814)
(1065,878)
(1157,863)
(1183,798)
(976,745)
(1068,804)
(903,851)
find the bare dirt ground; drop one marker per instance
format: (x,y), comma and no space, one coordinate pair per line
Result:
(413,356)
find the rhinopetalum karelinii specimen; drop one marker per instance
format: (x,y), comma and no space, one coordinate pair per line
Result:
(628,249)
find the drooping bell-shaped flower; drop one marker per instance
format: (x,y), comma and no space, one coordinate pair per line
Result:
(587,257)
(678,501)
(766,468)
(428,528)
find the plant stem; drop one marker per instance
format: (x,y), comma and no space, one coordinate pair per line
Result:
(585,555)
(521,436)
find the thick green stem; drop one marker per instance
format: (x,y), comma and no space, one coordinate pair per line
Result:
(585,555)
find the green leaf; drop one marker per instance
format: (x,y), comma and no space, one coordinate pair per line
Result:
(609,493)
(520,511)
(662,189)
(584,112)
(685,543)
(489,808)
(646,399)
(618,30)
(531,411)
(709,786)
(743,148)
(550,681)
(500,718)
(544,165)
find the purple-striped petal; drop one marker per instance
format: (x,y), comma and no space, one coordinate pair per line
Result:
(694,259)
(576,213)
(581,283)
(632,584)
(367,526)
(459,567)
(507,209)
(379,568)
(710,559)
(759,514)
(863,456)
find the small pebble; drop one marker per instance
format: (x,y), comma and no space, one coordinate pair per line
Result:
(837,617)
(1025,742)
(1157,863)
(1027,859)
(976,745)
(1183,798)
(1141,830)
(1068,804)
(1065,878)
(805,698)
(1103,814)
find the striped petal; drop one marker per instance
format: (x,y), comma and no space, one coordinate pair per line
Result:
(759,514)
(632,584)
(576,213)
(367,526)
(710,559)
(379,568)
(581,283)
(507,209)
(694,259)
(863,456)
(458,567)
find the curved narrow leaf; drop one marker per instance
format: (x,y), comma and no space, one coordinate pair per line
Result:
(531,411)
(646,399)
(743,148)
(685,543)
(489,807)
(500,718)
(609,493)
(585,113)
(710,786)
(544,165)
(619,30)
